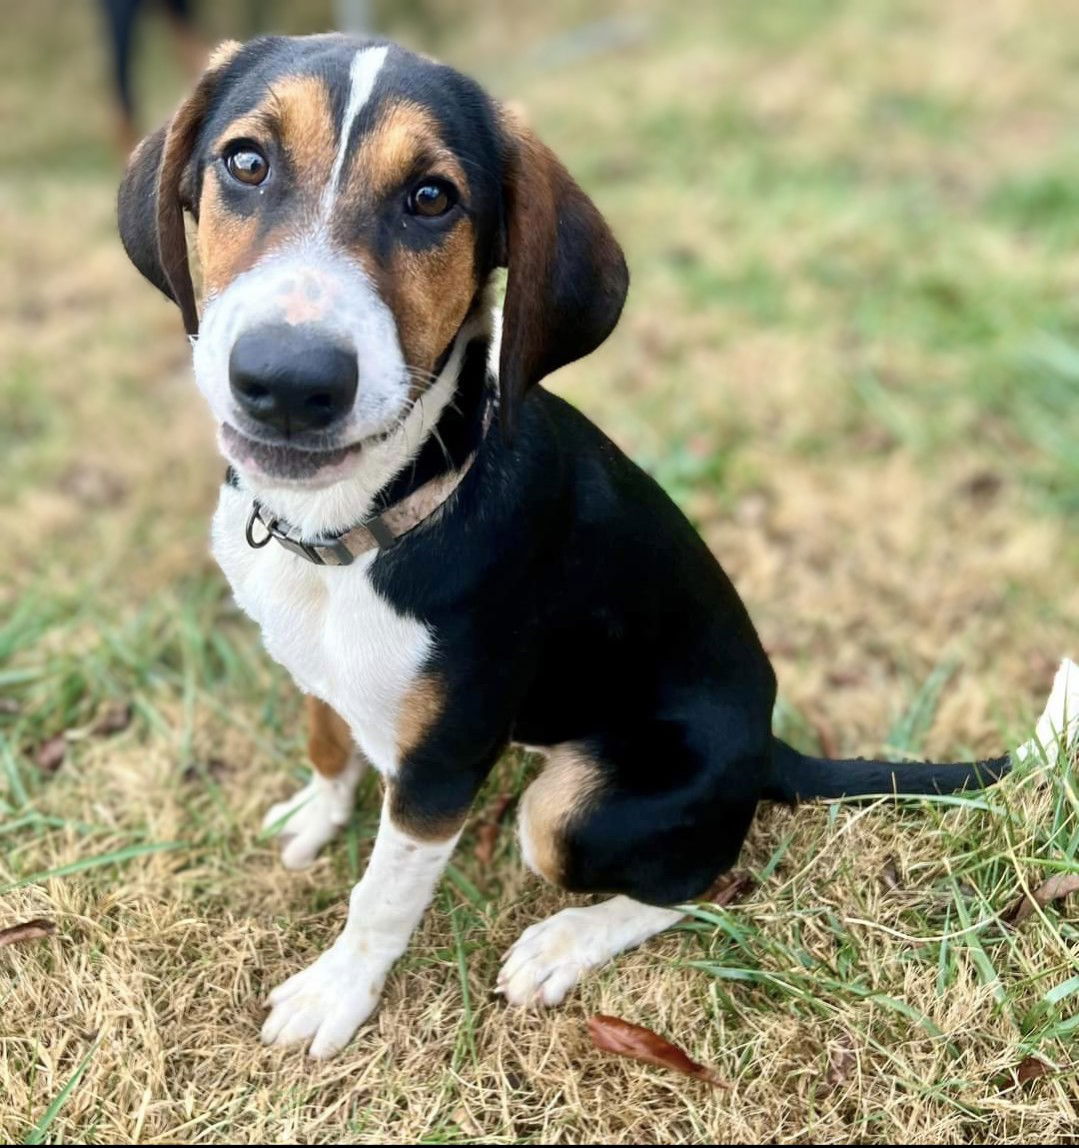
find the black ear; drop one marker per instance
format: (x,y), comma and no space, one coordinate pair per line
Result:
(136,209)
(567,275)
(151,203)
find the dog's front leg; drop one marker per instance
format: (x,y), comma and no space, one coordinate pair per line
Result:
(329,1000)
(315,815)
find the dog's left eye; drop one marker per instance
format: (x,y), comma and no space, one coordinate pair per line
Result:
(246,164)
(432,198)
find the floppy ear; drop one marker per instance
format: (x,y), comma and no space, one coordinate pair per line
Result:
(152,199)
(567,275)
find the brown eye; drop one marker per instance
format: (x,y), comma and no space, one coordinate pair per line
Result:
(247,164)
(432,198)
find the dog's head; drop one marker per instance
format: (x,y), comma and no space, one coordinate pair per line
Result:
(351,200)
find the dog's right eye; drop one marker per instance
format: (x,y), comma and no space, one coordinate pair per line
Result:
(246,164)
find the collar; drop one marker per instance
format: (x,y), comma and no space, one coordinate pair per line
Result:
(378,532)
(381,530)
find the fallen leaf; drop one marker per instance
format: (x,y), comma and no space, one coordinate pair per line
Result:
(730,887)
(464,1120)
(1025,1071)
(50,754)
(33,930)
(982,486)
(115,718)
(490,827)
(612,1034)
(889,876)
(1054,889)
(841,1063)
(212,768)
(1030,1069)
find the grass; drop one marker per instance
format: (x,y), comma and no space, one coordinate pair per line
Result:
(851,353)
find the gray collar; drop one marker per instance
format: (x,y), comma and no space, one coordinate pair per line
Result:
(378,532)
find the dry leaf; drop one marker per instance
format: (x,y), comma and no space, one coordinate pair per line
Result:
(1031,1069)
(1025,1071)
(889,876)
(115,718)
(490,827)
(50,754)
(612,1034)
(730,887)
(213,768)
(983,486)
(841,1062)
(464,1120)
(1054,889)
(33,930)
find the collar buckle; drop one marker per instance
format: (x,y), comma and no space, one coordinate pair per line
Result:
(332,552)
(303,549)
(317,552)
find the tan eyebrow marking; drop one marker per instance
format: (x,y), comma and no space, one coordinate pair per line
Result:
(404,133)
(428,290)
(304,116)
(297,111)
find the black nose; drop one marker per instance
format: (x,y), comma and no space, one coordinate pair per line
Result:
(293,379)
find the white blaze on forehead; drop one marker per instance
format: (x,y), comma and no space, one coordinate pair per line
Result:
(366,65)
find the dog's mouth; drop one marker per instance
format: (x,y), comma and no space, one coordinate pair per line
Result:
(286,462)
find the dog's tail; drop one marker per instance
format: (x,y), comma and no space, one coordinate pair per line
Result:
(798,777)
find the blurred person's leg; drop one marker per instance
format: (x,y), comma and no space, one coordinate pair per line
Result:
(119,25)
(191,47)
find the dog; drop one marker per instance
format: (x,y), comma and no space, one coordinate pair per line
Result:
(446,557)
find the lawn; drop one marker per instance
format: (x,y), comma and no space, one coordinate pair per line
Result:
(851,353)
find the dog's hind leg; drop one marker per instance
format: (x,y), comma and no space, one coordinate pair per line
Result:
(311,818)
(551,956)
(603,818)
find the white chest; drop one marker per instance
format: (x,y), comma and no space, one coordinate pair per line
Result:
(328,627)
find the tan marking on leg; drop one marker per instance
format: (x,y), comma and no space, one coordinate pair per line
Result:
(329,740)
(406,817)
(405,134)
(421,707)
(552,804)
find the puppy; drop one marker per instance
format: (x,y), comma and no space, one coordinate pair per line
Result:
(447,558)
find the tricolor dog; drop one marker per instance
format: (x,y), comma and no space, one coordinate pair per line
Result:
(446,557)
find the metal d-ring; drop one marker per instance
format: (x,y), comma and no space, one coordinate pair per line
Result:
(249,533)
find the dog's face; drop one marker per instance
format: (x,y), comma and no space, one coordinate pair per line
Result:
(351,201)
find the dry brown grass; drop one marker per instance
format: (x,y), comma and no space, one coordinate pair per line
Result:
(824,360)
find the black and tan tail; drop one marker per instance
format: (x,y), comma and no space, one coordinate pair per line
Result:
(799,777)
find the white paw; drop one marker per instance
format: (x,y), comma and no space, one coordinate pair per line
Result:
(326,1003)
(312,818)
(550,957)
